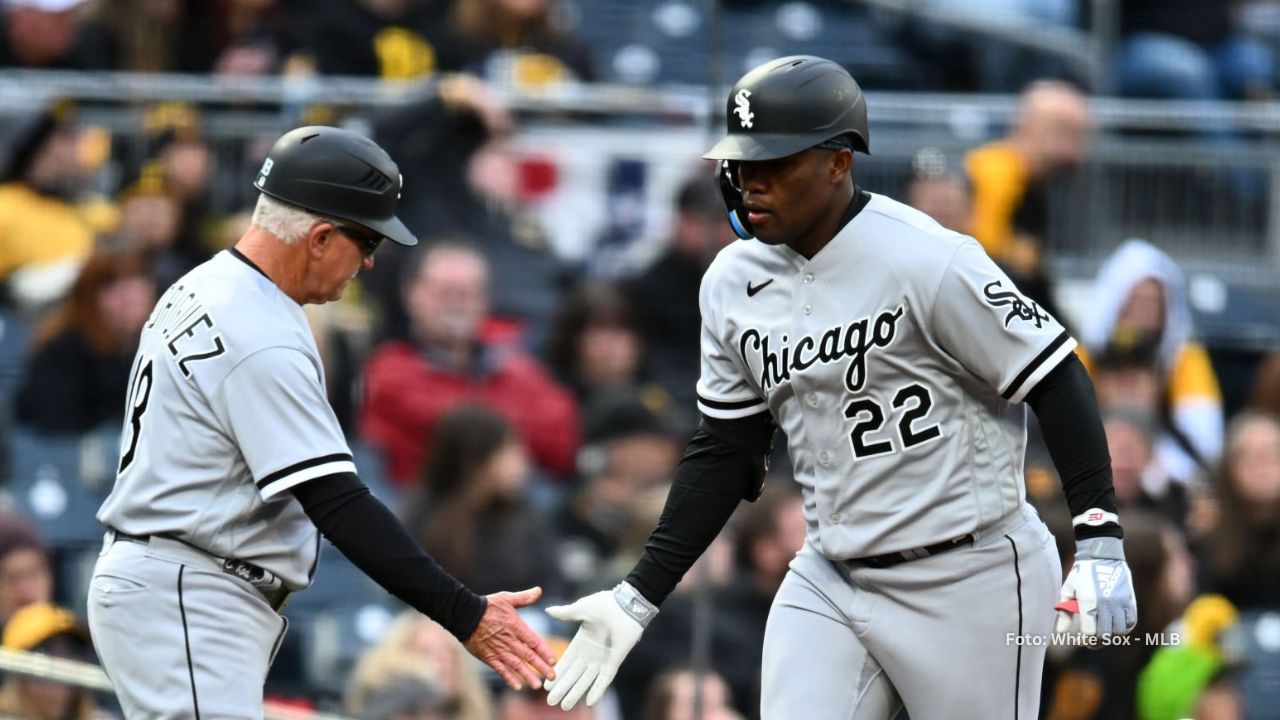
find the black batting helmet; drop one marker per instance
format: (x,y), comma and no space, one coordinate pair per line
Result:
(780,108)
(791,104)
(339,174)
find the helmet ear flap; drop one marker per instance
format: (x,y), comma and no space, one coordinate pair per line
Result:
(726,172)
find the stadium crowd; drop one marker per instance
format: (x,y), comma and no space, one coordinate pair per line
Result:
(527,416)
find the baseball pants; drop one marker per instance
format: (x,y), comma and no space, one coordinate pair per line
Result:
(944,636)
(178,637)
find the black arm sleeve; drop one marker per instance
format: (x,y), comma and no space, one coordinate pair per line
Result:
(1067,409)
(371,537)
(724,463)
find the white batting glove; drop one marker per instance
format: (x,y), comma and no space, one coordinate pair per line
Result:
(612,621)
(1102,590)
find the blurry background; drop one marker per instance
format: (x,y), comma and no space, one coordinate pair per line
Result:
(519,388)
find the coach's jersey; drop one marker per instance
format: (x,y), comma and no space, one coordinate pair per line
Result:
(226,411)
(894,360)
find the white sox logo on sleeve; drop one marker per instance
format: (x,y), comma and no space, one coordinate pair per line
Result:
(1019,307)
(853,341)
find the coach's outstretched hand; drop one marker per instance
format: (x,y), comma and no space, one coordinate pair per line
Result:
(612,621)
(505,643)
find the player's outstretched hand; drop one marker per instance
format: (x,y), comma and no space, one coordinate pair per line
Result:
(612,621)
(505,643)
(1102,588)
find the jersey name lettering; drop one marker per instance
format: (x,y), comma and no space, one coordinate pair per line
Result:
(851,341)
(180,318)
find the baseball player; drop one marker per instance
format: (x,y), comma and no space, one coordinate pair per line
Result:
(896,357)
(231,458)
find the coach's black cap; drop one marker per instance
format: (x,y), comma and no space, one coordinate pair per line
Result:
(792,104)
(339,174)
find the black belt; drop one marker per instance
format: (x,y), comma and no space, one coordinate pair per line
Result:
(894,558)
(265,582)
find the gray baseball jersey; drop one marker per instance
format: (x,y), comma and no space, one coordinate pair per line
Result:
(894,360)
(227,410)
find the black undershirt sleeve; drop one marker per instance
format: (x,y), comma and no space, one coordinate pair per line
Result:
(1065,405)
(371,537)
(724,463)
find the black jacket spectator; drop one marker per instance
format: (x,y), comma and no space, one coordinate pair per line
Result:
(77,377)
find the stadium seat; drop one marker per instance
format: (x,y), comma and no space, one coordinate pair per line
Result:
(60,481)
(336,619)
(1259,680)
(664,41)
(14,330)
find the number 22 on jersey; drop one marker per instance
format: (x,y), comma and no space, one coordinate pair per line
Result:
(871,416)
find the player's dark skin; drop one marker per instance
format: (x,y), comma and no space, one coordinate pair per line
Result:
(798,200)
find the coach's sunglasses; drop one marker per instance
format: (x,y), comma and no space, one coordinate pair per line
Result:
(368,243)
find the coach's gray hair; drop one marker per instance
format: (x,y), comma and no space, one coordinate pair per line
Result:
(287,223)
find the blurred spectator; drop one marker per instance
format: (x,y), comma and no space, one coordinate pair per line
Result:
(1100,683)
(54,631)
(25,575)
(46,234)
(419,659)
(466,181)
(596,344)
(1188,50)
(76,377)
(1126,377)
(627,462)
(389,39)
(237,37)
(410,384)
(596,348)
(518,43)
(532,705)
(403,698)
(184,162)
(256,35)
(1011,178)
(1140,297)
(1266,386)
(767,533)
(1193,678)
(1139,482)
(1219,700)
(672,697)
(473,513)
(939,192)
(1241,554)
(149,226)
(666,294)
(53,34)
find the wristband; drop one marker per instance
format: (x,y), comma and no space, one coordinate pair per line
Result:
(634,604)
(1094,517)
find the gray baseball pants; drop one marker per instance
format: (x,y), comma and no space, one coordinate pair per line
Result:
(946,636)
(179,637)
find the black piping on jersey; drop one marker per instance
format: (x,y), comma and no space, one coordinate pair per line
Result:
(241,257)
(186,638)
(1035,364)
(734,405)
(1017,675)
(299,466)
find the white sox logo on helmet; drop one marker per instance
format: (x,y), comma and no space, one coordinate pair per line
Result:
(743,108)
